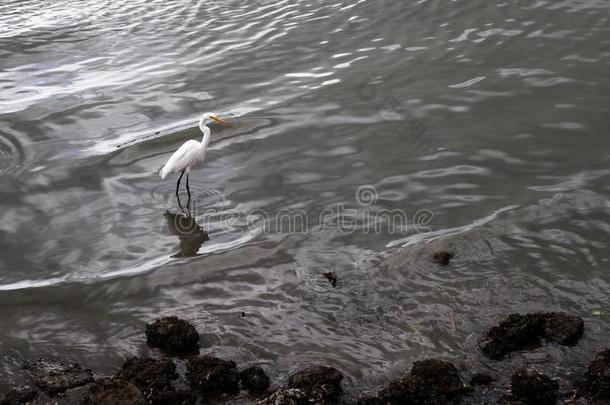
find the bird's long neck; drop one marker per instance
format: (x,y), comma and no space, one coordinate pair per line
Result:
(206,138)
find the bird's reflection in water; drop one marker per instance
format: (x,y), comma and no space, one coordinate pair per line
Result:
(191,235)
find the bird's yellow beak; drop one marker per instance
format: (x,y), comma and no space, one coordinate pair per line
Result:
(218,120)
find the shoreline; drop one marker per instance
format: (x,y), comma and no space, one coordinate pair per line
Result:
(182,375)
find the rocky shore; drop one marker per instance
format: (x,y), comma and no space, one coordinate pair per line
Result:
(184,376)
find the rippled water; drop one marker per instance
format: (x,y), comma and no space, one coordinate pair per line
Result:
(483,124)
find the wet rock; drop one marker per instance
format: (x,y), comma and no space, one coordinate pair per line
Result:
(171,396)
(513,333)
(369,401)
(321,384)
(291,396)
(331,276)
(172,334)
(562,328)
(254,380)
(153,377)
(58,376)
(209,374)
(19,395)
(531,387)
(480,379)
(596,385)
(442,258)
(431,382)
(111,391)
(509,400)
(519,331)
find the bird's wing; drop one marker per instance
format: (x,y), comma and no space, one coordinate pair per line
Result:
(186,155)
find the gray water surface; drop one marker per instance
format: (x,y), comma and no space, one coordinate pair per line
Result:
(483,125)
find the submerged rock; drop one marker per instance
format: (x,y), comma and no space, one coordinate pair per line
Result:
(442,258)
(254,380)
(596,385)
(530,387)
(431,382)
(209,374)
(519,331)
(331,276)
(112,391)
(321,384)
(172,334)
(19,395)
(58,376)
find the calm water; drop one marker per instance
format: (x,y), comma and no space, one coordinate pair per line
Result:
(482,125)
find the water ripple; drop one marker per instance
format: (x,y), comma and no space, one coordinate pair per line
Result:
(11,154)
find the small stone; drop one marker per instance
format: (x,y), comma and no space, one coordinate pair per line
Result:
(58,376)
(331,276)
(531,387)
(254,380)
(442,258)
(210,374)
(321,384)
(172,334)
(110,391)
(480,379)
(19,395)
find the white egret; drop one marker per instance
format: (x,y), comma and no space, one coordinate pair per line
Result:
(189,154)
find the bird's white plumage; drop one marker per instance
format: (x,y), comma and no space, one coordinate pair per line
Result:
(191,152)
(184,158)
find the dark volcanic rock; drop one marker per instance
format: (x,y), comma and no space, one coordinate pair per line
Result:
(321,384)
(513,333)
(58,376)
(110,391)
(509,400)
(172,334)
(480,379)
(171,396)
(531,387)
(291,396)
(210,374)
(154,378)
(519,331)
(368,401)
(596,385)
(254,380)
(431,382)
(331,276)
(442,258)
(19,395)
(562,328)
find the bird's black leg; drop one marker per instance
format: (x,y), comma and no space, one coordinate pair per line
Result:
(188,190)
(178,188)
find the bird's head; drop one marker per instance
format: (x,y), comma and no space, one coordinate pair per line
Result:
(208,118)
